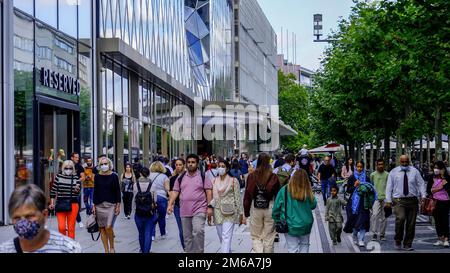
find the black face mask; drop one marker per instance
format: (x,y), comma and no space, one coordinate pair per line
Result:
(89,164)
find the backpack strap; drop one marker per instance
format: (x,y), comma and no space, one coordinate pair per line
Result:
(138,186)
(151,183)
(17,245)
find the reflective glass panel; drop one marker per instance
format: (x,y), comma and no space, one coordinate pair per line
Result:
(46,10)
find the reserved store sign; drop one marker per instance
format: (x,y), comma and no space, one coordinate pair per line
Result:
(60,82)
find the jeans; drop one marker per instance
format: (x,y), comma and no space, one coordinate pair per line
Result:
(225,232)
(145,228)
(176,212)
(297,244)
(161,206)
(360,234)
(88,198)
(325,190)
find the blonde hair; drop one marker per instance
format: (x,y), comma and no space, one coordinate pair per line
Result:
(110,165)
(68,163)
(300,188)
(157,167)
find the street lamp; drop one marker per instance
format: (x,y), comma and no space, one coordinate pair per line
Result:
(318,27)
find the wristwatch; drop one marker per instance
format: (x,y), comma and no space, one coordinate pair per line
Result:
(210,207)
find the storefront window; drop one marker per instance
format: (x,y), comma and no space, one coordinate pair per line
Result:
(68,17)
(134,139)
(46,11)
(126,91)
(23,99)
(126,136)
(109,86)
(56,54)
(85,76)
(117,89)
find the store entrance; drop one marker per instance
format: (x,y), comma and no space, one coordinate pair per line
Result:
(56,142)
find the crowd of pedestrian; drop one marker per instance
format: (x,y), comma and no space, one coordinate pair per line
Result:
(274,193)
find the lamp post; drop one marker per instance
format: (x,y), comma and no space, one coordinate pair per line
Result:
(318,27)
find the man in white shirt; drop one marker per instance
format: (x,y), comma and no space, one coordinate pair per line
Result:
(405,186)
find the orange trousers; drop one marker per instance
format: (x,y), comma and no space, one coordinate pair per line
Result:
(67,221)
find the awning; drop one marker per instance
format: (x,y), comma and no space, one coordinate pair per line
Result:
(329,148)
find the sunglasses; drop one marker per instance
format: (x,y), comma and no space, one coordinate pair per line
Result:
(67,169)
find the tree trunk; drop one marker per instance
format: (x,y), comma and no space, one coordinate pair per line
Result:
(428,151)
(371,158)
(398,151)
(421,152)
(378,149)
(438,132)
(364,157)
(387,148)
(352,150)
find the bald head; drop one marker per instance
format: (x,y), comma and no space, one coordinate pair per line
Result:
(404,160)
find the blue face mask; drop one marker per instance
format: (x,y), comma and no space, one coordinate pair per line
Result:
(27,229)
(405,169)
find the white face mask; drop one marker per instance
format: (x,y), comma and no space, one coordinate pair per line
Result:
(68,172)
(104,168)
(221,171)
(437,172)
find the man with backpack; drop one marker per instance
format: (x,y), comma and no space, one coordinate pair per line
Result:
(195,192)
(286,171)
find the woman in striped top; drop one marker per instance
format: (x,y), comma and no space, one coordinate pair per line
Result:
(67,186)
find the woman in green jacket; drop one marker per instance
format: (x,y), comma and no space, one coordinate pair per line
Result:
(300,204)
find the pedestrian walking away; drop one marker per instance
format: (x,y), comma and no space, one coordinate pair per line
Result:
(28,210)
(195,192)
(378,219)
(161,187)
(438,188)
(146,214)
(127,184)
(227,205)
(294,204)
(107,197)
(262,188)
(64,198)
(333,215)
(405,189)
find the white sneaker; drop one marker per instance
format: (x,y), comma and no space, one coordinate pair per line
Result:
(163,237)
(81,225)
(439,243)
(355,240)
(361,244)
(153,238)
(446,244)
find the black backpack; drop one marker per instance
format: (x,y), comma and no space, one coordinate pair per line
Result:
(261,200)
(144,201)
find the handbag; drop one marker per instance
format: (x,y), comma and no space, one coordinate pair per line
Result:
(64,204)
(227,209)
(428,206)
(282,225)
(92,226)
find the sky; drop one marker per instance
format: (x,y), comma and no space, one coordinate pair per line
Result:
(297,17)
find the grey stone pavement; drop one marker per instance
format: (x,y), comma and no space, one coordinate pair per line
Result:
(127,238)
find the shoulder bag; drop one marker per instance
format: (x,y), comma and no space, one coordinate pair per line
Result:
(428,206)
(227,208)
(64,204)
(282,226)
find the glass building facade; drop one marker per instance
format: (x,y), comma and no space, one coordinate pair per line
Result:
(102,77)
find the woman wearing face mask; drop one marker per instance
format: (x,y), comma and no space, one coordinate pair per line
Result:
(27,209)
(65,190)
(127,183)
(438,188)
(227,205)
(107,199)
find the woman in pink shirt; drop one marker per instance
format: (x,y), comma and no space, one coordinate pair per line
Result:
(439,188)
(347,169)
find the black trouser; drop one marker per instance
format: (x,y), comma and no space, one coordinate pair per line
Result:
(127,202)
(440,215)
